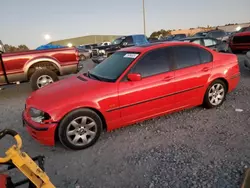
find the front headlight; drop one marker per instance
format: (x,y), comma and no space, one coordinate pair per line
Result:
(102,52)
(38,115)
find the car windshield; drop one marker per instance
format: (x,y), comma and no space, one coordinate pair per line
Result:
(117,41)
(111,68)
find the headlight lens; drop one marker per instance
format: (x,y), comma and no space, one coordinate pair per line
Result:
(102,52)
(38,115)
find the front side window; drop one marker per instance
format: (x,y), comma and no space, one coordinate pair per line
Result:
(154,62)
(112,67)
(186,56)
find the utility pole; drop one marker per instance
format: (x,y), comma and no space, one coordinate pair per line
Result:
(144,19)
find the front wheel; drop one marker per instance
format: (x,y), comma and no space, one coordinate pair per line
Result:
(215,94)
(80,129)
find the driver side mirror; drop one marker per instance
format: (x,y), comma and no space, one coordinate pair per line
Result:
(134,77)
(2,50)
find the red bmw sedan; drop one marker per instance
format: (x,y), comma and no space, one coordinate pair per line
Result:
(132,85)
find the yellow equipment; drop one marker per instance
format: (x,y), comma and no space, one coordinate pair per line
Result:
(15,158)
(246,182)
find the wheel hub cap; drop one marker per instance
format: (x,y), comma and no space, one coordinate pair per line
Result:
(81,131)
(44,80)
(216,94)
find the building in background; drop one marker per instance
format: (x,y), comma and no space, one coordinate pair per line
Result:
(90,39)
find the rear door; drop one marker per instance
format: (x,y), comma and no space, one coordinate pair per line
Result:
(193,68)
(153,94)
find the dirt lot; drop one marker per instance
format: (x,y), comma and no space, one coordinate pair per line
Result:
(193,148)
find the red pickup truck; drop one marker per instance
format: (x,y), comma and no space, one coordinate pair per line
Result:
(240,41)
(40,67)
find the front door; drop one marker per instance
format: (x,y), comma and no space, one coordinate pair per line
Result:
(153,94)
(193,69)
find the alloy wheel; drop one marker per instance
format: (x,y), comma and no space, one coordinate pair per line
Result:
(81,131)
(216,94)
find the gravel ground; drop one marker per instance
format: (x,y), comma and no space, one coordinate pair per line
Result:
(192,148)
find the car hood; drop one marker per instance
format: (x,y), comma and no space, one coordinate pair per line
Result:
(67,91)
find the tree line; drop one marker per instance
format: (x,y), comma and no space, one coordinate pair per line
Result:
(19,48)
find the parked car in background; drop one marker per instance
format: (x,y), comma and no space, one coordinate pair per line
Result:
(174,37)
(200,34)
(243,29)
(240,42)
(85,52)
(218,34)
(40,67)
(104,43)
(102,52)
(212,43)
(132,85)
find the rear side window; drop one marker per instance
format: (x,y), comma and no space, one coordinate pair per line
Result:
(217,34)
(205,56)
(197,41)
(186,56)
(154,62)
(209,42)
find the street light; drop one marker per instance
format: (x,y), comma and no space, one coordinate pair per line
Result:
(144,19)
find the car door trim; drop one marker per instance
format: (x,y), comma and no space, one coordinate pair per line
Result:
(153,99)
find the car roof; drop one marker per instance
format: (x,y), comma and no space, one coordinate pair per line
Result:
(151,46)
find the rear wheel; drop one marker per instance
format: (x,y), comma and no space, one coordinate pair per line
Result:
(215,94)
(42,77)
(80,129)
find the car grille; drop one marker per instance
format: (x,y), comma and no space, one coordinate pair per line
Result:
(241,39)
(95,52)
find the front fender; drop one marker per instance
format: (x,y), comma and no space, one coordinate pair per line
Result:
(59,113)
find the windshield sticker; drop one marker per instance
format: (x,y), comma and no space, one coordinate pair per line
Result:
(131,56)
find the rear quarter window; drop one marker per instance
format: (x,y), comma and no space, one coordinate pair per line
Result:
(205,56)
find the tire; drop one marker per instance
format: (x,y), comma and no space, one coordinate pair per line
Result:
(70,129)
(208,102)
(39,74)
(82,58)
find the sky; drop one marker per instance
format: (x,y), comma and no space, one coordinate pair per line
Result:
(27,21)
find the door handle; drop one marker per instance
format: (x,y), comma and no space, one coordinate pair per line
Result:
(168,78)
(205,69)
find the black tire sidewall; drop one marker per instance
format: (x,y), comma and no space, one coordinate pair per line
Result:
(206,102)
(70,117)
(34,77)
